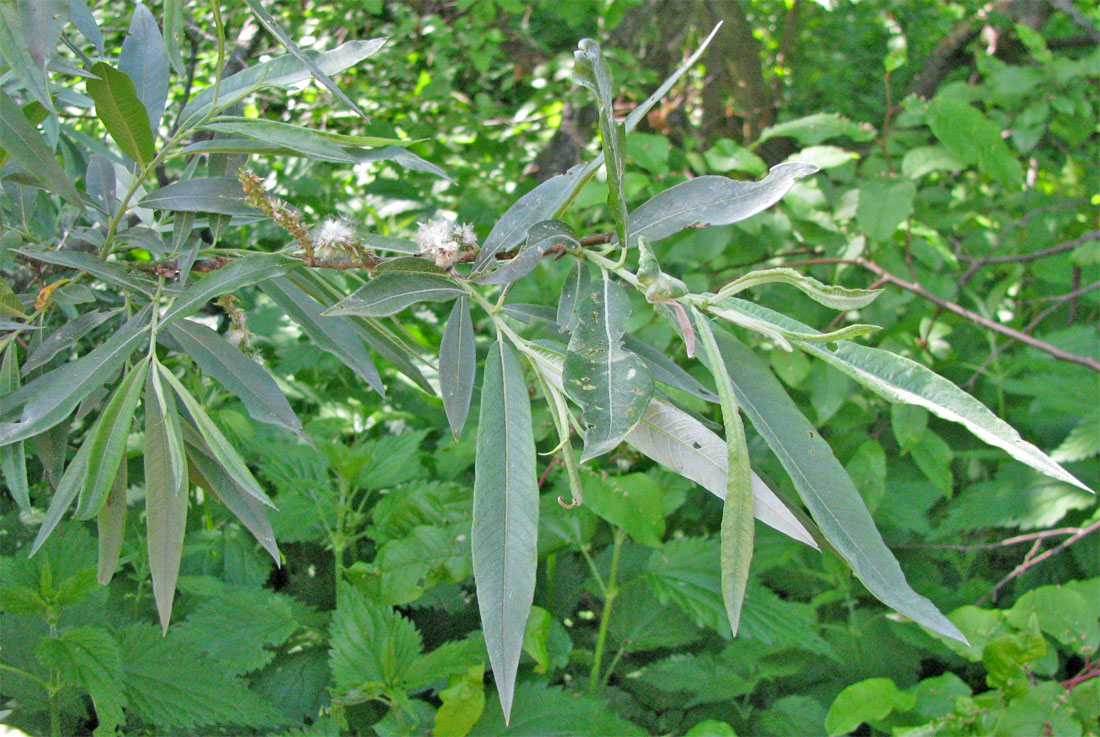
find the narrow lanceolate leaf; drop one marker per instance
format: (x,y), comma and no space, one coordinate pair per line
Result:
(245,378)
(237,275)
(222,449)
(680,442)
(13,461)
(111,528)
(269,23)
(303,141)
(457,366)
(839,298)
(67,488)
(667,371)
(332,334)
(541,238)
(174,35)
(53,396)
(165,500)
(108,271)
(65,337)
(177,461)
(900,379)
(109,441)
(611,384)
(117,106)
(144,59)
(591,71)
(219,195)
(824,485)
(737,524)
(15,50)
(389,293)
(505,515)
(574,289)
(712,200)
(28,148)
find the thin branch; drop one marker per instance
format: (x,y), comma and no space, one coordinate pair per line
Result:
(1022,257)
(1031,559)
(1028,538)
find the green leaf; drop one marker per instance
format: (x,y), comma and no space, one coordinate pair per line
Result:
(838,298)
(13,459)
(590,70)
(27,146)
(884,204)
(144,59)
(165,497)
(900,379)
(15,48)
(667,371)
(65,337)
(53,396)
(612,385)
(221,360)
(108,271)
(505,516)
(725,155)
(633,501)
(67,488)
(111,526)
(824,486)
(535,636)
(109,441)
(457,366)
(334,335)
(551,710)
(269,23)
(371,646)
(173,35)
(813,129)
(117,106)
(870,700)
(1063,613)
(389,293)
(88,658)
(712,200)
(574,289)
(737,518)
(220,195)
(242,273)
(463,702)
(927,159)
(279,72)
(541,237)
(973,138)
(1082,442)
(84,21)
(303,141)
(237,627)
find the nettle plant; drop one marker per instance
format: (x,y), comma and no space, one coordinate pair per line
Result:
(129,245)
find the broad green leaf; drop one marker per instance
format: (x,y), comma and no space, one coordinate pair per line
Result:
(505,515)
(165,498)
(838,298)
(269,23)
(572,292)
(220,195)
(13,459)
(900,379)
(884,204)
(50,398)
(1082,442)
(712,200)
(304,141)
(927,159)
(221,360)
(371,646)
(111,528)
(553,710)
(541,237)
(737,517)
(15,48)
(389,293)
(973,138)
(279,72)
(117,106)
(241,273)
(814,129)
(552,197)
(632,501)
(334,335)
(205,470)
(109,271)
(237,627)
(463,701)
(535,637)
(457,366)
(88,657)
(173,35)
(1065,614)
(590,70)
(9,302)
(28,148)
(67,488)
(612,385)
(144,59)
(222,450)
(824,486)
(109,441)
(866,701)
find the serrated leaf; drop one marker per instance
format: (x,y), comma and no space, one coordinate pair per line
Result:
(1082,442)
(144,59)
(165,499)
(50,398)
(13,459)
(109,441)
(505,515)
(15,48)
(28,148)
(541,237)
(334,335)
(237,628)
(111,528)
(900,379)
(241,273)
(838,298)
(712,200)
(824,486)
(457,366)
(371,646)
(737,517)
(221,360)
(552,710)
(389,293)
(220,195)
(88,657)
(612,385)
(117,106)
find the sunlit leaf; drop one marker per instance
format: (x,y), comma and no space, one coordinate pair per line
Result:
(144,59)
(389,293)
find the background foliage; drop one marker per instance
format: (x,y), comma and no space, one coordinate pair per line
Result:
(973,204)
